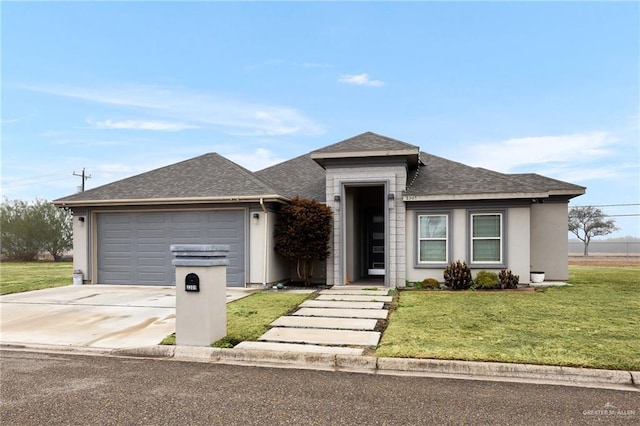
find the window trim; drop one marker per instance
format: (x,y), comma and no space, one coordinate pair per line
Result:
(502,239)
(447,239)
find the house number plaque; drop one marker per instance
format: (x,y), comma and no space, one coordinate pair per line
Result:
(192,282)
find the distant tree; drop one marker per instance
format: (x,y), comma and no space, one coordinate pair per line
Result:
(588,222)
(19,239)
(303,234)
(57,229)
(29,229)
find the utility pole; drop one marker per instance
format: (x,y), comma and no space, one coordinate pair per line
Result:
(84,178)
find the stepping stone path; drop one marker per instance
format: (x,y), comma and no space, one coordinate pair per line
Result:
(341,320)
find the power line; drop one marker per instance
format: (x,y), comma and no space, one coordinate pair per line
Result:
(621,215)
(610,205)
(83,176)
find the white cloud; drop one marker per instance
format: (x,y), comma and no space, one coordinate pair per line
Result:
(574,158)
(256,160)
(512,154)
(360,80)
(164,126)
(171,105)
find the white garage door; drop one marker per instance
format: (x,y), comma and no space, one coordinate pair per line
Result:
(133,248)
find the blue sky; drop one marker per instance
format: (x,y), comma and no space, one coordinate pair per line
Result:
(121,88)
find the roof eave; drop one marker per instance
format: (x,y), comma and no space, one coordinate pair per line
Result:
(571,192)
(483,196)
(174,201)
(321,157)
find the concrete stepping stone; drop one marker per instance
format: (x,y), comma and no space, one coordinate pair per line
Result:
(295,347)
(342,313)
(343,305)
(356,292)
(355,298)
(322,337)
(324,322)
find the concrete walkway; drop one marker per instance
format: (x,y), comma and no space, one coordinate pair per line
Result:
(339,321)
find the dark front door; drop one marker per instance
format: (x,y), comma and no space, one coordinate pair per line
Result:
(375,243)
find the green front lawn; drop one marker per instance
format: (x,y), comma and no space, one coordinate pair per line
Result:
(16,277)
(592,323)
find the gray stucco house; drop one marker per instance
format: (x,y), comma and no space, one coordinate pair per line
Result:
(399,214)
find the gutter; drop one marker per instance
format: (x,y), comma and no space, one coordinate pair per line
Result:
(265,260)
(468,197)
(165,201)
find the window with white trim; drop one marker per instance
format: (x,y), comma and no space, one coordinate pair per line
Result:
(486,238)
(433,243)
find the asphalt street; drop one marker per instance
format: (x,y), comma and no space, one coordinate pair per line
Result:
(55,389)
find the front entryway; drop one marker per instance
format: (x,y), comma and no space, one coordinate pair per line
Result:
(365,234)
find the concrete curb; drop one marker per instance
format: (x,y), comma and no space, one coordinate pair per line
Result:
(492,371)
(399,366)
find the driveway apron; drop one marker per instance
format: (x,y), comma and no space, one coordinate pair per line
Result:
(99,316)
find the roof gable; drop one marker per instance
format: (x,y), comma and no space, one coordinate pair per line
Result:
(366,142)
(367,145)
(207,177)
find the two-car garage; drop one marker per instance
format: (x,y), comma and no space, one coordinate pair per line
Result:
(134,247)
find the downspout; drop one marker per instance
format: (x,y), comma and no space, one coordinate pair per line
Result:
(265,260)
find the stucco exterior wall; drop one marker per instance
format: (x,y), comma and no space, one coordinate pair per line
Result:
(277,267)
(256,229)
(81,245)
(550,240)
(517,245)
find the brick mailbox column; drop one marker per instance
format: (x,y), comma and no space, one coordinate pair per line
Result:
(201,299)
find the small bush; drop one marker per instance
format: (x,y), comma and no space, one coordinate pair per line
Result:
(430,283)
(486,280)
(458,276)
(507,279)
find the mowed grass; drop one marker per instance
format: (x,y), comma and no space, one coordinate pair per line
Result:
(592,323)
(16,277)
(249,318)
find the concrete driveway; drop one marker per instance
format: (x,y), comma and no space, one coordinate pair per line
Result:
(99,316)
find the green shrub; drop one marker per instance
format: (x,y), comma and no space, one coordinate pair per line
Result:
(486,280)
(430,283)
(507,279)
(457,275)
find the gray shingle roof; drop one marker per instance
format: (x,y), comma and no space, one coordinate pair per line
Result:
(446,178)
(214,178)
(548,183)
(300,176)
(209,176)
(368,141)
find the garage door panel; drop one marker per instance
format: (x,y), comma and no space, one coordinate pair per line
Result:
(151,233)
(133,248)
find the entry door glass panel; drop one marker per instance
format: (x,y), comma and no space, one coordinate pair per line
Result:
(375,242)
